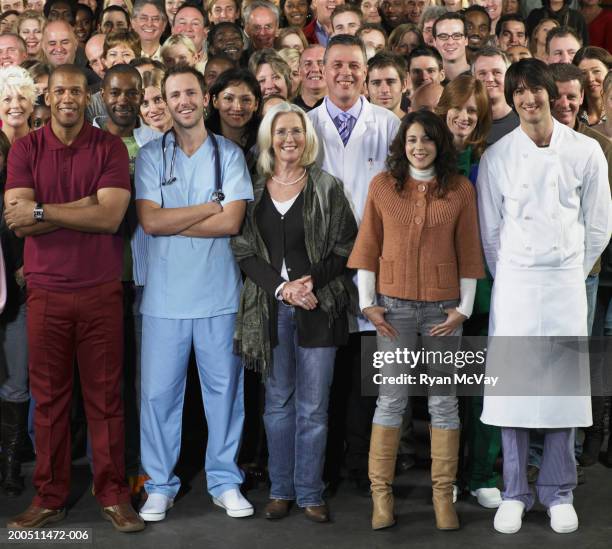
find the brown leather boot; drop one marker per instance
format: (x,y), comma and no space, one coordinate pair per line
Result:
(277,508)
(384,443)
(123,517)
(444,460)
(35,517)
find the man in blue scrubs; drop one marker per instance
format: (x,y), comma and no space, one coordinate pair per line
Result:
(190,296)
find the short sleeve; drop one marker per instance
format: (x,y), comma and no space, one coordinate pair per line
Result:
(19,166)
(147,173)
(236,180)
(116,172)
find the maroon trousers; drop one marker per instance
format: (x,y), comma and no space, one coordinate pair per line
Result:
(86,323)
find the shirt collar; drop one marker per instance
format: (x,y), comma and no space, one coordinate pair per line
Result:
(82,140)
(334,111)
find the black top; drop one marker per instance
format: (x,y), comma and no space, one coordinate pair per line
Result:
(300,103)
(284,238)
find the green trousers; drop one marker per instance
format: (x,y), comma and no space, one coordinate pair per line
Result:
(484,447)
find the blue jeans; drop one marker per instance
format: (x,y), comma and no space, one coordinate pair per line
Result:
(410,318)
(14,358)
(295,416)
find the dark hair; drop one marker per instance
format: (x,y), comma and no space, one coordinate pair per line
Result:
(505,19)
(445,163)
(346,40)
(401,30)
(566,72)
(86,8)
(490,51)
(183,69)
(214,29)
(425,51)
(118,9)
(448,16)
(72,4)
(192,5)
(221,57)
(283,20)
(69,68)
(593,52)
(478,9)
(228,78)
(531,73)
(560,32)
(346,8)
(384,59)
(121,68)
(140,61)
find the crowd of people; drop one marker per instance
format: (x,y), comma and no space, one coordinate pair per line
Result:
(266,184)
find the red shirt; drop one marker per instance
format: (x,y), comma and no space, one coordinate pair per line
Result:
(64,260)
(600,30)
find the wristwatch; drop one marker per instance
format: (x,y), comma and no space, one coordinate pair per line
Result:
(39,213)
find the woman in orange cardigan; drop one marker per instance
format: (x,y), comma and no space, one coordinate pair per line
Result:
(418,256)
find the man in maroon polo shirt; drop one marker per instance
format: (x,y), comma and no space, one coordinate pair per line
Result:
(67,190)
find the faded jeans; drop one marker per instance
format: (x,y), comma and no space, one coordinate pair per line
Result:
(295,416)
(411,318)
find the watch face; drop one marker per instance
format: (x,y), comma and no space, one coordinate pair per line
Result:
(38,214)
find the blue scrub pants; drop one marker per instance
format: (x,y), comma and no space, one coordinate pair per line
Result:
(166,345)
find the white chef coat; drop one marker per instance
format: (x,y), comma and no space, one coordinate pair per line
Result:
(545,217)
(360,160)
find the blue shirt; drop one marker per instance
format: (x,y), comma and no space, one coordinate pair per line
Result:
(191,277)
(321,34)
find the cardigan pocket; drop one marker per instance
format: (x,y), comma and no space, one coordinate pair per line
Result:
(385,269)
(447,275)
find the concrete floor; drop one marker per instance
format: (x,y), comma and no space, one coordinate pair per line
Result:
(196,522)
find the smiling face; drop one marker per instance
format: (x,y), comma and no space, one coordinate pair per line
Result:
(185,100)
(491,71)
(324,8)
(149,24)
(83,26)
(230,42)
(513,34)
(113,21)
(292,41)
(531,104)
(407,43)
(59,43)
(288,138)
(565,108)
(311,69)
(369,8)
(414,9)
(346,23)
(154,110)
(385,87)
(190,22)
(562,49)
(223,11)
(594,72)
(345,73)
(119,54)
(15,108)
(122,95)
(68,98)
(178,55)
(451,49)
(296,12)
(262,28)
(478,29)
(11,52)
(236,105)
(421,151)
(270,81)
(425,69)
(31,31)
(461,120)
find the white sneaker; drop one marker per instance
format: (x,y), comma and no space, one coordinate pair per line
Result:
(234,503)
(509,517)
(563,518)
(490,498)
(155,507)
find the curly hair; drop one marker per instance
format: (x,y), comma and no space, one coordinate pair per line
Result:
(445,163)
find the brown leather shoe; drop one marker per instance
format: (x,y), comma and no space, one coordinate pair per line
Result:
(123,517)
(277,508)
(35,517)
(317,513)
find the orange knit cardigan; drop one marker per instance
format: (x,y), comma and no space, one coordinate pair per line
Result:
(419,245)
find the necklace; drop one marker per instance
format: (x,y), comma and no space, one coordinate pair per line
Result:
(288,184)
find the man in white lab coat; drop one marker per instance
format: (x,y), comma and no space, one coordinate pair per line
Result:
(355,137)
(545,216)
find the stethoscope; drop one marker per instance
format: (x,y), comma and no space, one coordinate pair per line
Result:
(217,195)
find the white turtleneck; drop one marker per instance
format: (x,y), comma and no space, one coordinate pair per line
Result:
(366,280)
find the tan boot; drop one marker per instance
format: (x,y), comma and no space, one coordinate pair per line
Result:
(384,443)
(444,459)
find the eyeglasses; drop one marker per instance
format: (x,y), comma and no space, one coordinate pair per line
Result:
(144,19)
(283,134)
(456,36)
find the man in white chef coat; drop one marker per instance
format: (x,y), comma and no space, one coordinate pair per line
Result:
(545,216)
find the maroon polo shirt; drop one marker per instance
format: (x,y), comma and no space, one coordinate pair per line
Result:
(65,260)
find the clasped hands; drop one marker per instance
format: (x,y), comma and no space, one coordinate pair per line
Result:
(376,315)
(19,213)
(299,293)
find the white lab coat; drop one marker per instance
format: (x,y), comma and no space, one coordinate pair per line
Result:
(356,164)
(545,217)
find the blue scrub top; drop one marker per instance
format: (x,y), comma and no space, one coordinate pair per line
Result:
(191,277)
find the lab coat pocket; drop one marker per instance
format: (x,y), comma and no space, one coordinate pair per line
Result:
(385,268)
(447,275)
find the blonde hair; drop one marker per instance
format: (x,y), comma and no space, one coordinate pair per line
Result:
(18,79)
(129,5)
(290,55)
(265,163)
(30,14)
(178,40)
